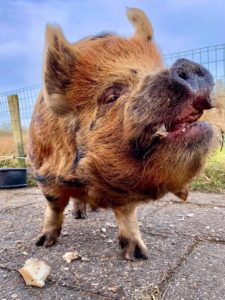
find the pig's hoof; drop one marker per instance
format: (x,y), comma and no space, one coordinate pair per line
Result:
(133,249)
(47,239)
(79,214)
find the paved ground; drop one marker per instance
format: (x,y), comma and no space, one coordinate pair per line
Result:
(186,245)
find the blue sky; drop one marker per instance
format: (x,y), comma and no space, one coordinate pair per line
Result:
(178,25)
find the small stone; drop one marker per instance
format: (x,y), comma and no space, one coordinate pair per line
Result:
(14,296)
(103,229)
(25,253)
(70,256)
(18,244)
(85,258)
(191,215)
(64,233)
(112,289)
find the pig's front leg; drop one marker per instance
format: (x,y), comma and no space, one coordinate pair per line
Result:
(79,209)
(53,220)
(129,234)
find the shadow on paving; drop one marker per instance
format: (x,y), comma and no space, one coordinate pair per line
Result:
(186,245)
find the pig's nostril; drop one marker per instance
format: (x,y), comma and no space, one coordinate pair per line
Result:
(199,73)
(194,74)
(183,75)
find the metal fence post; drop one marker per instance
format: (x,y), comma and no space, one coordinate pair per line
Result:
(13,103)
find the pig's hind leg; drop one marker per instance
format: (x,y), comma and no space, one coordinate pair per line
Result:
(53,219)
(129,234)
(79,209)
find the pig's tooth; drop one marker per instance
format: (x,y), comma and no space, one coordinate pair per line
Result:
(184,129)
(162,132)
(162,128)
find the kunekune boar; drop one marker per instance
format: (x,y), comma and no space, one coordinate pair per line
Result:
(113,128)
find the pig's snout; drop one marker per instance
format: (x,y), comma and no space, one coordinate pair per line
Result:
(196,79)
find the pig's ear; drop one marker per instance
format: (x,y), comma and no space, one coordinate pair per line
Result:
(141,23)
(58,70)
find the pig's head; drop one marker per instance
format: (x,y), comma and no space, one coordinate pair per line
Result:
(134,122)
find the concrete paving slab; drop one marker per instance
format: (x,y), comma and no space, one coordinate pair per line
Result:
(201,199)
(169,230)
(12,287)
(106,273)
(16,197)
(207,222)
(202,276)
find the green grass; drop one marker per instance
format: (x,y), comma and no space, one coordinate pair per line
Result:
(8,163)
(31,181)
(212,178)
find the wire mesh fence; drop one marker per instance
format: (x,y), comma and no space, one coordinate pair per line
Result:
(212,57)
(9,117)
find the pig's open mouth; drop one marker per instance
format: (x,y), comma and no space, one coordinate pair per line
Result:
(185,129)
(184,121)
(186,125)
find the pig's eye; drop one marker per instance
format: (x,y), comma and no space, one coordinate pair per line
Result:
(112,93)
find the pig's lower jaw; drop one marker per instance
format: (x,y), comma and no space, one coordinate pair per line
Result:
(191,134)
(191,137)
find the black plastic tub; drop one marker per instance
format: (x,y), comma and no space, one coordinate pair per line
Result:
(13,178)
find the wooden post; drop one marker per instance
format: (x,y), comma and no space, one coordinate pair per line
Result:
(13,103)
